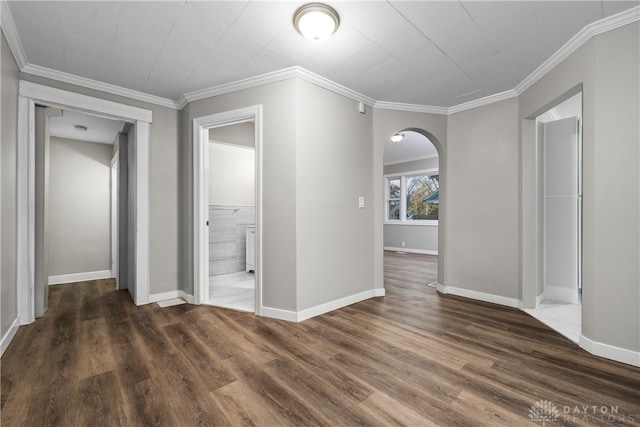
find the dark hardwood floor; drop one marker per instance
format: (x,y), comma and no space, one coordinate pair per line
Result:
(413,357)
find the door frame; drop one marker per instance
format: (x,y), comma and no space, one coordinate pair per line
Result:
(531,207)
(115,219)
(201,126)
(31,94)
(570,297)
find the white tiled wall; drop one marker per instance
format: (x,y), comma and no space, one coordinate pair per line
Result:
(227,238)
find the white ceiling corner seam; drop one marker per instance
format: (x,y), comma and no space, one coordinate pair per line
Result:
(84,103)
(413,108)
(589,31)
(11,33)
(98,85)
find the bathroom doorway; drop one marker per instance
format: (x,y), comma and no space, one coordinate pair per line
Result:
(231,208)
(231,136)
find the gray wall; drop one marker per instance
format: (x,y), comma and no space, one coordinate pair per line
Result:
(163,185)
(232,178)
(312,225)
(278,179)
(240,134)
(79,207)
(413,165)
(335,249)
(482,214)
(8,182)
(607,66)
(417,237)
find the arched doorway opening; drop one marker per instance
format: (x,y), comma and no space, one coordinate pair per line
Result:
(412,208)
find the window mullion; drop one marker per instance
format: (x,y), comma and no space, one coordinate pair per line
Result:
(403,198)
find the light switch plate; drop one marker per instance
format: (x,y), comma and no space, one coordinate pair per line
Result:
(361,202)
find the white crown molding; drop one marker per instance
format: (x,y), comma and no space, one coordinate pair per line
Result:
(604,25)
(48,73)
(11,33)
(333,86)
(48,95)
(411,108)
(247,83)
(273,77)
(593,29)
(507,94)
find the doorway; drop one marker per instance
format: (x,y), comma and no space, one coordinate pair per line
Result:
(559,287)
(32,94)
(236,218)
(231,202)
(412,202)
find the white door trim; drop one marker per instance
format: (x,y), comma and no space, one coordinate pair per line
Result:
(115,230)
(31,94)
(201,125)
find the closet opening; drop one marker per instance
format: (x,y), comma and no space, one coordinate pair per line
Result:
(558,284)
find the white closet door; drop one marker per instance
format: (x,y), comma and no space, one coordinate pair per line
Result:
(562,210)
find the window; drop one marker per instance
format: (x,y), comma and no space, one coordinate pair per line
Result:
(412,198)
(393,203)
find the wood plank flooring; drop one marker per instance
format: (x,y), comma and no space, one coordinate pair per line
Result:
(411,358)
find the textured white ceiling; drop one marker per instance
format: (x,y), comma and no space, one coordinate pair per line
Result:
(440,53)
(99,129)
(414,146)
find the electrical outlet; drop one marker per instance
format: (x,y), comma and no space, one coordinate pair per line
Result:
(403,244)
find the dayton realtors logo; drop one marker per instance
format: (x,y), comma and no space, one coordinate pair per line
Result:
(543,411)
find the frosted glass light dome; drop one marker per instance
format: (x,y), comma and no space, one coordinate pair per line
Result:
(316,21)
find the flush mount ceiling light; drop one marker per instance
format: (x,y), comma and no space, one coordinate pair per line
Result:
(316,21)
(80,128)
(397,137)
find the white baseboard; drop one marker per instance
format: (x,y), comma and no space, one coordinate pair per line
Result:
(481,296)
(8,336)
(339,303)
(539,299)
(293,316)
(560,294)
(187,297)
(79,277)
(163,296)
(277,313)
(411,251)
(607,351)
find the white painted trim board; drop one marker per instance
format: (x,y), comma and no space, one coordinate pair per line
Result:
(560,294)
(411,251)
(163,296)
(299,316)
(8,336)
(480,296)
(611,352)
(79,277)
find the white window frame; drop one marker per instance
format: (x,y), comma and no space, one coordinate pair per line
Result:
(403,198)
